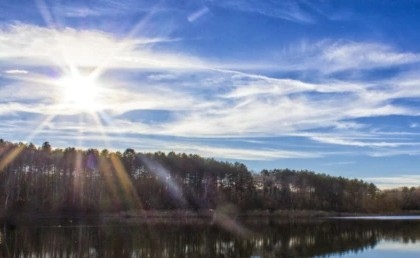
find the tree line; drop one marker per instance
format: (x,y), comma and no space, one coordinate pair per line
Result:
(46,179)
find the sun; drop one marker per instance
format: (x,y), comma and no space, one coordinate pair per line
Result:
(80,93)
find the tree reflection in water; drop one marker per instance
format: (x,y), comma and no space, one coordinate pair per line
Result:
(298,239)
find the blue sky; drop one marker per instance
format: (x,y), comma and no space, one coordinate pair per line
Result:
(329,86)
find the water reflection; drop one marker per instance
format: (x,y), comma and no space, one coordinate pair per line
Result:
(269,239)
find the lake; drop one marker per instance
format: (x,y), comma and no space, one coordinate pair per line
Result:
(348,237)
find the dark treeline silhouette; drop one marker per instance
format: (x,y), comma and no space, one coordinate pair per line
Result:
(43,179)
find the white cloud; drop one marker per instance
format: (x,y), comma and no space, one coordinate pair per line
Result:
(14,108)
(352,142)
(339,163)
(251,105)
(395,181)
(211,102)
(268,106)
(79,12)
(34,45)
(365,55)
(396,152)
(141,143)
(371,143)
(328,56)
(16,71)
(241,153)
(46,99)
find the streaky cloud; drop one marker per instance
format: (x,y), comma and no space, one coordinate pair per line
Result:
(285,10)
(39,46)
(80,12)
(331,56)
(395,181)
(16,71)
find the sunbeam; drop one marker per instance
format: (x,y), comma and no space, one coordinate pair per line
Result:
(10,156)
(105,168)
(129,191)
(40,127)
(97,119)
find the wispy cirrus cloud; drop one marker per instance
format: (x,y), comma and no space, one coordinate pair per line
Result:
(205,99)
(331,56)
(294,105)
(16,71)
(34,45)
(286,10)
(88,137)
(352,55)
(80,12)
(360,143)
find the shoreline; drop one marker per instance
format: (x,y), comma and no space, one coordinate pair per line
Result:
(186,216)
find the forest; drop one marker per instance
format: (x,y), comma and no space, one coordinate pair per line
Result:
(53,180)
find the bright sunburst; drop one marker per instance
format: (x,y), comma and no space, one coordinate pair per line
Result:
(80,93)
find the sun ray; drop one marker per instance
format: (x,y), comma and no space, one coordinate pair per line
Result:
(40,127)
(10,156)
(127,185)
(79,93)
(105,169)
(124,44)
(45,13)
(33,78)
(100,127)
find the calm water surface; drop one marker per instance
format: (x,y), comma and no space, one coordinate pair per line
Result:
(322,238)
